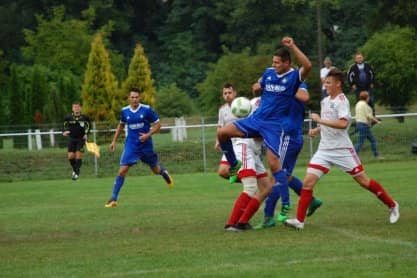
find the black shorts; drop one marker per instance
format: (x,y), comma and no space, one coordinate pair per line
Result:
(76,145)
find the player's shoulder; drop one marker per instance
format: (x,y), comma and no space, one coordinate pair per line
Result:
(224,107)
(342,97)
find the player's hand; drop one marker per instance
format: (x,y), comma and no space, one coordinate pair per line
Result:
(256,88)
(144,136)
(112,146)
(315,117)
(313,132)
(288,42)
(217,146)
(66,133)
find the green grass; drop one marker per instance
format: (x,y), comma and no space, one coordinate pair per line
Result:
(61,229)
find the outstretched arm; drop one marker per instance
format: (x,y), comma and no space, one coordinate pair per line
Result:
(301,57)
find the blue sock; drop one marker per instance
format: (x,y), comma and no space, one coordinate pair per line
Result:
(296,185)
(118,183)
(282,182)
(227,148)
(271,202)
(164,173)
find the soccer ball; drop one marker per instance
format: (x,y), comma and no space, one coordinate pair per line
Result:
(241,107)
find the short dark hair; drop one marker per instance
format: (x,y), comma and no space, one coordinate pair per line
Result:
(336,74)
(76,103)
(228,85)
(284,54)
(136,90)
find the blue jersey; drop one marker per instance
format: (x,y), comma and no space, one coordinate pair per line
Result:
(138,121)
(278,92)
(293,123)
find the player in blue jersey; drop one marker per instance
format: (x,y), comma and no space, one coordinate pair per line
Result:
(279,85)
(292,143)
(142,122)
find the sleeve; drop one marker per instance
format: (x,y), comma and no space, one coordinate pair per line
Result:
(343,110)
(66,124)
(351,76)
(153,116)
(87,126)
(220,121)
(372,73)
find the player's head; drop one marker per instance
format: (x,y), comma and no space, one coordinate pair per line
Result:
(334,81)
(134,97)
(359,58)
(76,108)
(281,60)
(228,93)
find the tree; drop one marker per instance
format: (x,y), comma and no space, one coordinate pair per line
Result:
(140,76)
(173,102)
(100,85)
(393,55)
(240,69)
(58,43)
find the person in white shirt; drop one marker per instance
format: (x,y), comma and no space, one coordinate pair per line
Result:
(336,148)
(323,73)
(364,118)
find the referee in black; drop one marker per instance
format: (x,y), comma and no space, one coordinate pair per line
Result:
(76,128)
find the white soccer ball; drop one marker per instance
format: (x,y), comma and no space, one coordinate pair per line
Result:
(241,107)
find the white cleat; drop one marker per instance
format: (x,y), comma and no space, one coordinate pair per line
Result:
(294,223)
(394,213)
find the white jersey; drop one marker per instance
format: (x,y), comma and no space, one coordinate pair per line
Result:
(334,109)
(225,115)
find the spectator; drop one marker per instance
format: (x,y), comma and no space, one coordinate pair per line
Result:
(323,73)
(361,77)
(364,119)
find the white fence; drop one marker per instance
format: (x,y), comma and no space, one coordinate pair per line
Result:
(184,145)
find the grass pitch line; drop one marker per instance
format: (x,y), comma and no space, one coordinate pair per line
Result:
(352,234)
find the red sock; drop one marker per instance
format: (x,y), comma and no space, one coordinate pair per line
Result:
(249,211)
(239,207)
(305,199)
(379,191)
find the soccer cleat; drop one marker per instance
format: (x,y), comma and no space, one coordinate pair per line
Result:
(240,227)
(282,216)
(74,176)
(168,179)
(394,213)
(233,172)
(111,204)
(315,204)
(294,223)
(268,222)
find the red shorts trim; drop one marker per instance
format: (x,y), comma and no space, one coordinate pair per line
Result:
(318,167)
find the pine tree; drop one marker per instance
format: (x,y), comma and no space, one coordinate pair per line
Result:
(139,76)
(100,84)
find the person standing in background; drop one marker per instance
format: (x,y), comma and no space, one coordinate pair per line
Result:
(361,77)
(364,119)
(76,128)
(323,73)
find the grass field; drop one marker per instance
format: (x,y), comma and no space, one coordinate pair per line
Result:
(60,228)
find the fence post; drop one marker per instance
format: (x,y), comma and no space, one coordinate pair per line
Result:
(310,126)
(29,139)
(203,136)
(38,139)
(52,137)
(95,158)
